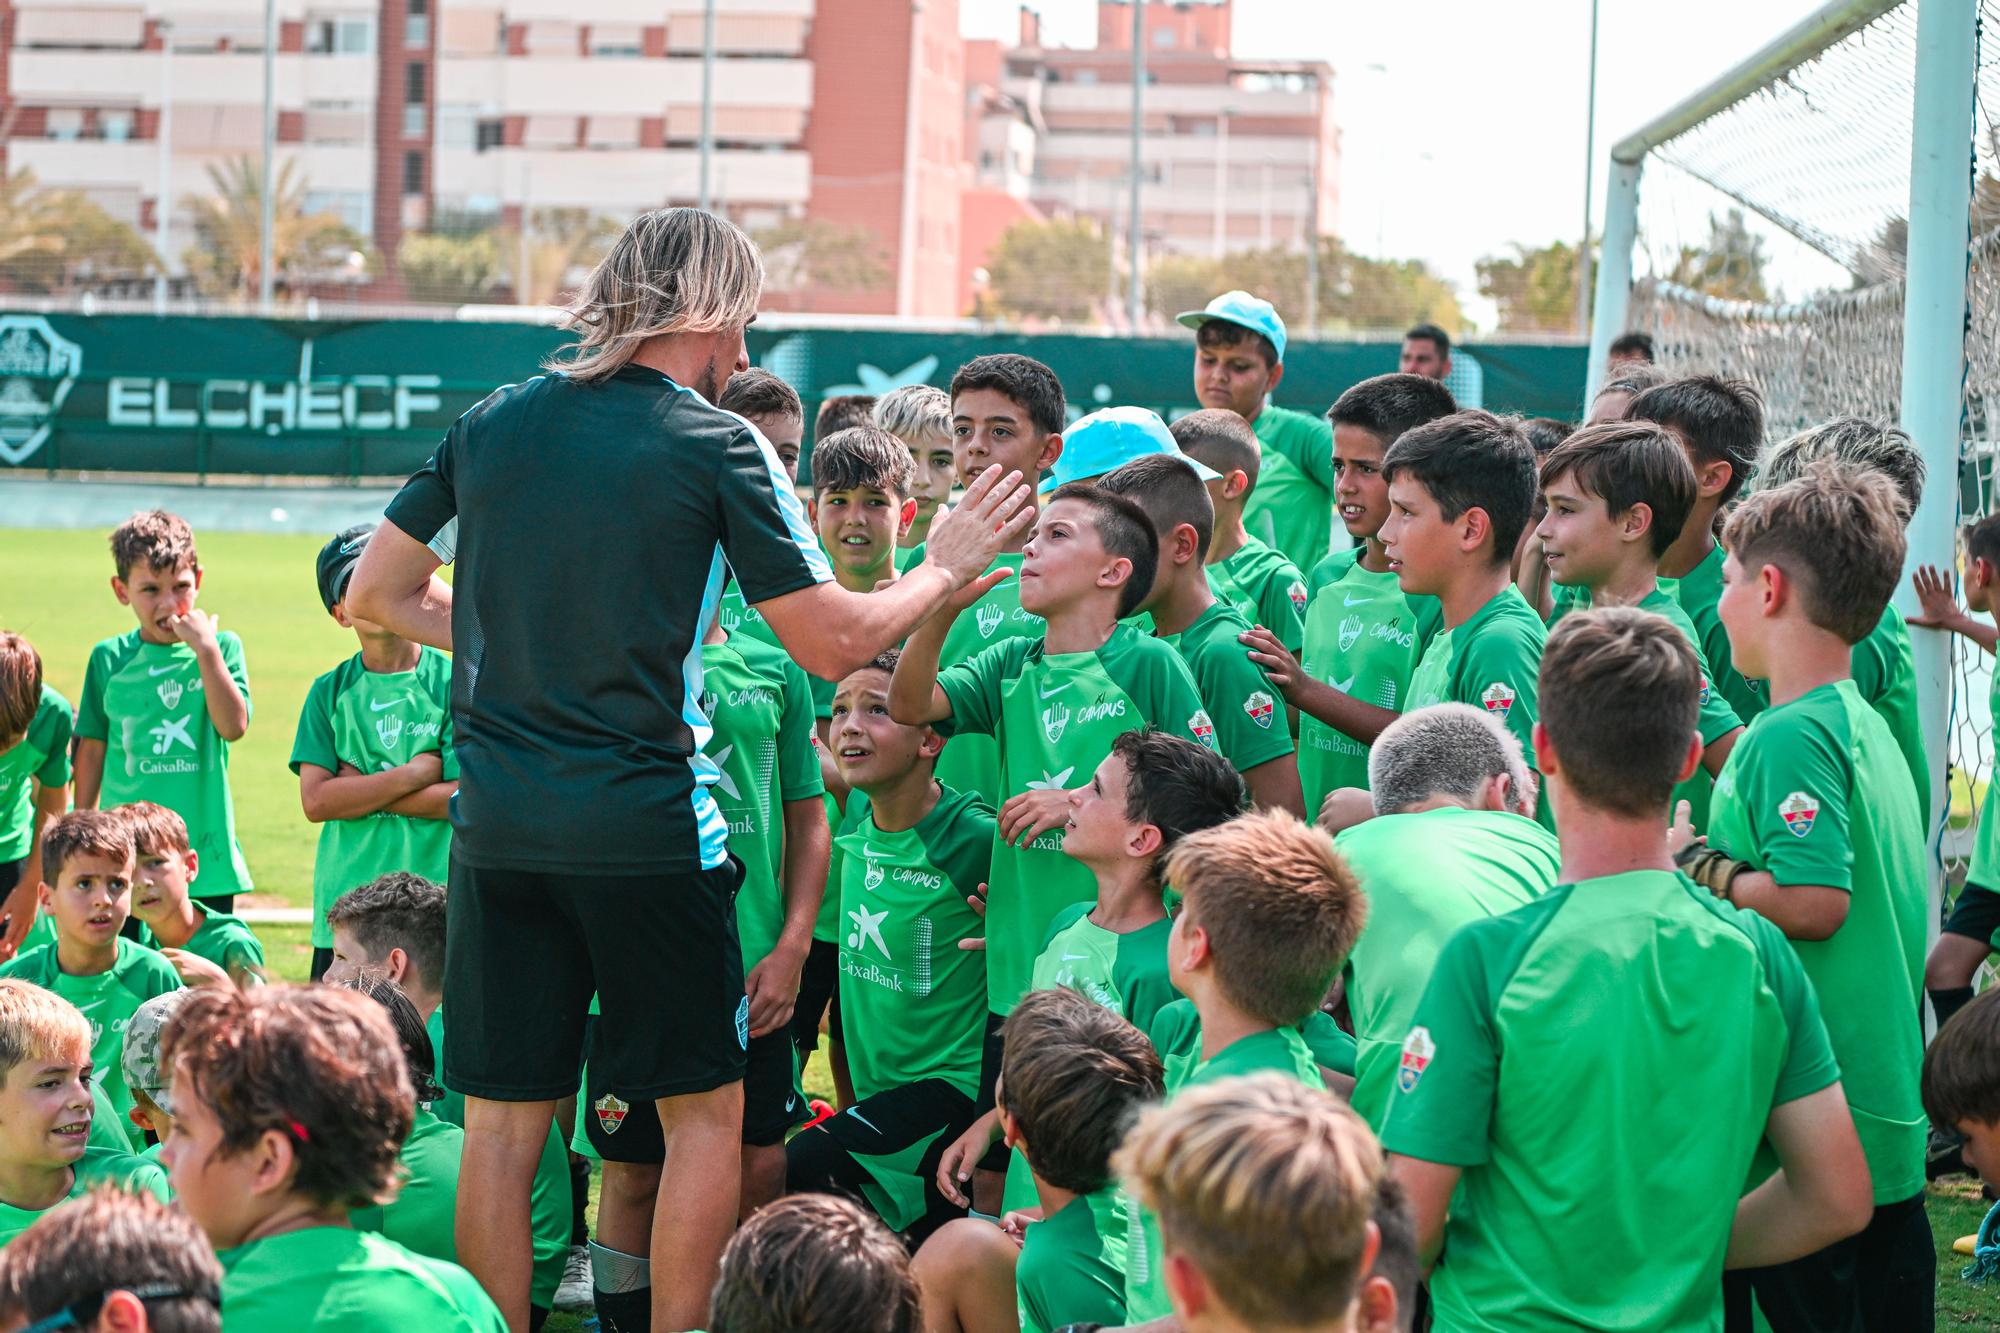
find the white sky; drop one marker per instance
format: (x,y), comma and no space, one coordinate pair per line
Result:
(1472,135)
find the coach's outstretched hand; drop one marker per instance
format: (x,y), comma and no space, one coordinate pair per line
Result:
(994,512)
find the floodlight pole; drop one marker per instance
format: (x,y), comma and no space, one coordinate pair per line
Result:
(704,199)
(1589,164)
(1934,344)
(266,199)
(163,209)
(1614,266)
(1135,297)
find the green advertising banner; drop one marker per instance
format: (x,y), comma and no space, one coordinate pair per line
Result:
(137,393)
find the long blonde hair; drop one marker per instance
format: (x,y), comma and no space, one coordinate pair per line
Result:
(674,270)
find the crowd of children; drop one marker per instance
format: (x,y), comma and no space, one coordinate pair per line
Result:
(1513,919)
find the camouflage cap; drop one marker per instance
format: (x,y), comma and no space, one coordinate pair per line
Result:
(141,1059)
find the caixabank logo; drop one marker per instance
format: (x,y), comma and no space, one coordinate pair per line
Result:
(38,368)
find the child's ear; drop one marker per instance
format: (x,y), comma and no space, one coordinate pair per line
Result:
(1051,450)
(1186,542)
(339,613)
(275,1159)
(931,745)
(812,511)
(1235,484)
(119,590)
(1475,529)
(1186,1285)
(1712,477)
(1637,521)
(45,895)
(1116,573)
(1545,753)
(396,965)
(1144,842)
(192,860)
(909,516)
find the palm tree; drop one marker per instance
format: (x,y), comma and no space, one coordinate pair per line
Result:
(51,239)
(228,227)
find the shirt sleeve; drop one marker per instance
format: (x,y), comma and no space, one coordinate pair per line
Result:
(972,687)
(1313,450)
(799,776)
(1442,1110)
(91,722)
(1717,719)
(1283,605)
(427,506)
(1794,785)
(1250,726)
(770,547)
(1809,1061)
(1170,700)
(232,661)
(50,732)
(1498,672)
(313,742)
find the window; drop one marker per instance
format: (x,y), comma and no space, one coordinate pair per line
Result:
(413,173)
(347,35)
(416,82)
(417,32)
(490,133)
(65,122)
(616,41)
(352,207)
(416,120)
(115,125)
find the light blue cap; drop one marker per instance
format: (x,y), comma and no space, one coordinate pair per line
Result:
(1252,312)
(1111,436)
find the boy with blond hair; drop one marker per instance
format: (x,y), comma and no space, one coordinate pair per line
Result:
(164,867)
(46,1110)
(36,725)
(1815,825)
(919,416)
(1258,581)
(163,703)
(1265,1190)
(87,858)
(1624,999)
(373,752)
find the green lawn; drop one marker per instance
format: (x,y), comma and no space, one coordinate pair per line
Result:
(55,589)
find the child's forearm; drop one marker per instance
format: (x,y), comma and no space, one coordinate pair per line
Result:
(1341,711)
(808,848)
(914,696)
(432,802)
(1982,632)
(353,795)
(228,710)
(88,770)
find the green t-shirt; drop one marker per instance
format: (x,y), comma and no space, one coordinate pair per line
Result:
(1816,792)
(1055,716)
(1985,868)
(422,1218)
(761,710)
(1492,662)
(1551,1045)
(374,720)
(145,702)
(549,1199)
(1250,727)
(1292,508)
(912,1003)
(971,760)
(1267,588)
(1363,636)
(108,999)
(1281,1050)
(1176,1034)
(1699,592)
(1716,719)
(40,757)
(338,1280)
(97,1166)
(1072,1265)
(1127,973)
(1886,674)
(1426,874)
(223,939)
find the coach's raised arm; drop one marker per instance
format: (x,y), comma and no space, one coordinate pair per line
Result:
(593,514)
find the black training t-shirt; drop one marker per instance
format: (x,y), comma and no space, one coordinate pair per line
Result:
(590,524)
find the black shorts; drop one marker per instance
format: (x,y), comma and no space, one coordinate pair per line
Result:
(819,987)
(1975,914)
(621,1128)
(823,1159)
(1884,1278)
(525,951)
(997,1156)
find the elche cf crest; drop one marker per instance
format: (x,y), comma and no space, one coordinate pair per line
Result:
(1498,698)
(611,1109)
(1297,592)
(1418,1048)
(1260,707)
(1203,727)
(1799,810)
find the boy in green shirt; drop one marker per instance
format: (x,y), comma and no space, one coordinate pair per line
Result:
(1617,497)
(88,856)
(1450,843)
(919,416)
(1363,634)
(1625,1001)
(46,1112)
(1075,1075)
(773,408)
(1460,491)
(815,1263)
(1239,361)
(1151,791)
(273,1170)
(1055,705)
(164,868)
(1250,729)
(1815,826)
(1268,914)
(1268,1194)
(82,1257)
(1884,666)
(36,725)
(145,1077)
(1266,587)
(1968,933)
(1720,422)
(373,753)
(394,928)
(163,704)
(913,1000)
(1961,1083)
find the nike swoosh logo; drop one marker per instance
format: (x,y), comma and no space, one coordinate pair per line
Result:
(863,1119)
(386,703)
(1346,686)
(1051,693)
(1074,957)
(161,671)
(1349,599)
(873,853)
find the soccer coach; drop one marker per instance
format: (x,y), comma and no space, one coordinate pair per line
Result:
(592,514)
